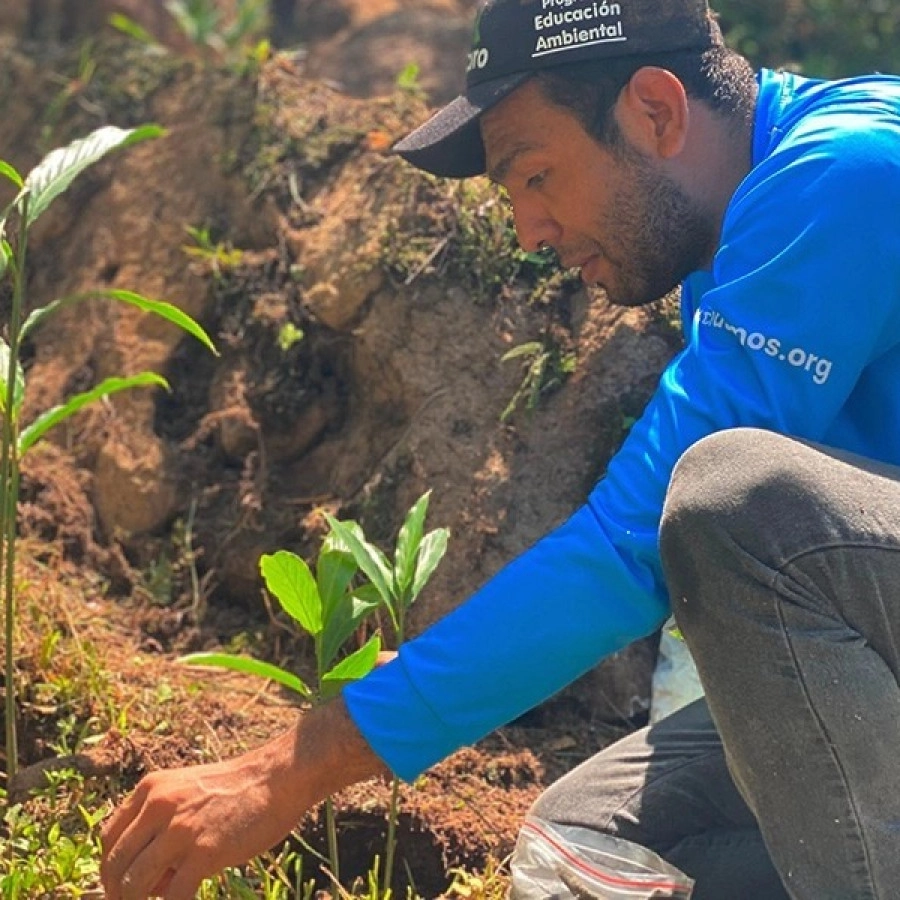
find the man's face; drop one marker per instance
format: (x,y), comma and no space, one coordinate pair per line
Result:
(609,210)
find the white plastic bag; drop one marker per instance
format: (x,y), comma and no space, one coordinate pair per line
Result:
(675,680)
(566,862)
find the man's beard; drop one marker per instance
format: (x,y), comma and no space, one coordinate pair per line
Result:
(660,234)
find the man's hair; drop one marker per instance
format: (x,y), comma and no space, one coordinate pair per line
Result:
(718,76)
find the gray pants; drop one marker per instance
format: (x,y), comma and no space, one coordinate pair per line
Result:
(783,563)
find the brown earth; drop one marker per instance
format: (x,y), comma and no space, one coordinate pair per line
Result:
(407,291)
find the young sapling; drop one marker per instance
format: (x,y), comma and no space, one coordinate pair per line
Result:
(398,584)
(329,608)
(34,195)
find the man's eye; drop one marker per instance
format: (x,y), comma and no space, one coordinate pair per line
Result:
(537,180)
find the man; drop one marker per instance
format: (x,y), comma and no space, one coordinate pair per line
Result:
(639,148)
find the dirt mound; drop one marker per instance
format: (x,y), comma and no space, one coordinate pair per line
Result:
(406,291)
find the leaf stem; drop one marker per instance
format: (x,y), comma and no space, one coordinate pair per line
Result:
(9,476)
(334,858)
(391,843)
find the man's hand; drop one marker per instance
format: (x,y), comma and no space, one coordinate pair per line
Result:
(183,825)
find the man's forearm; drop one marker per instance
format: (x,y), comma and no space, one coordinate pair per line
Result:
(329,753)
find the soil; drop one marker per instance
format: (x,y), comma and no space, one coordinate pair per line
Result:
(148,513)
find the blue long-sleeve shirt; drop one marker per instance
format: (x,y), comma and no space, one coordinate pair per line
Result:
(795,328)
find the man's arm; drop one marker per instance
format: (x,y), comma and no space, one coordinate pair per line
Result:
(183,825)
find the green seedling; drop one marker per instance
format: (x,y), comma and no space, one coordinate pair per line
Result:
(327,606)
(408,81)
(34,195)
(398,584)
(288,335)
(546,367)
(219,256)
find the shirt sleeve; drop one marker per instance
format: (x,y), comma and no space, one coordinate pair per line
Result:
(802,299)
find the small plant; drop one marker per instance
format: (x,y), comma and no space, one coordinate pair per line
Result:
(52,176)
(408,81)
(219,256)
(546,367)
(202,23)
(59,847)
(288,335)
(398,583)
(329,608)
(463,231)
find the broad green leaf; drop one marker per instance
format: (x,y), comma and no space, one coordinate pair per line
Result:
(9,172)
(44,422)
(334,572)
(289,579)
(368,557)
(334,542)
(368,595)
(343,621)
(249,667)
(408,544)
(59,168)
(431,552)
(158,307)
(354,667)
(18,387)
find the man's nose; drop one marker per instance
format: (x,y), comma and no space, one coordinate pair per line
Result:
(536,230)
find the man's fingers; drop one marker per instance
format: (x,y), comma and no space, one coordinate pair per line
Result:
(183,885)
(116,824)
(131,848)
(118,859)
(163,884)
(154,868)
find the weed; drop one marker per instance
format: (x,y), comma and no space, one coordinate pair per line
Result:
(288,335)
(490,884)
(71,90)
(53,840)
(52,177)
(203,24)
(127,26)
(219,256)
(547,366)
(408,81)
(464,231)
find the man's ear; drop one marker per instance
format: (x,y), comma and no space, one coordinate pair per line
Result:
(652,112)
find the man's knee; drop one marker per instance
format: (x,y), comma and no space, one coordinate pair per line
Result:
(725,490)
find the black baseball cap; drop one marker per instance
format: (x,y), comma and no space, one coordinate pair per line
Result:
(515,38)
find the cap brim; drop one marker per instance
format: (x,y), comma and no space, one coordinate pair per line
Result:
(449,143)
